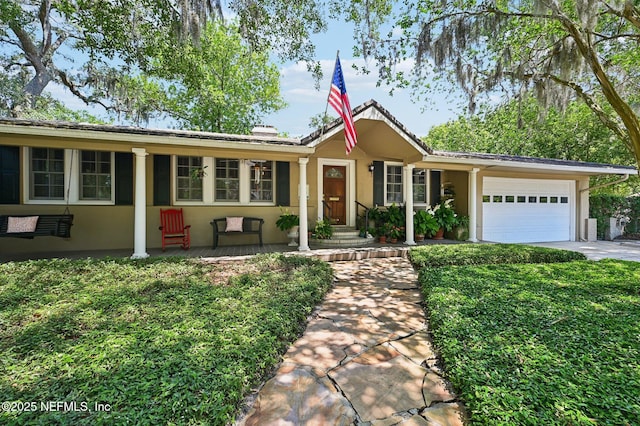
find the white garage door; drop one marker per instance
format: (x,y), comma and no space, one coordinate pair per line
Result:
(527,210)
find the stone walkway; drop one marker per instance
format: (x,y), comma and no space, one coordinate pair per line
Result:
(365,358)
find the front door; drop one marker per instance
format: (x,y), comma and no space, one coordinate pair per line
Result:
(334,184)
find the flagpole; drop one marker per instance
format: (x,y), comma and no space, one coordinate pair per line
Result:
(326,106)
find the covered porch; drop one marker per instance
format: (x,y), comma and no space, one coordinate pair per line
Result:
(232,252)
(388,166)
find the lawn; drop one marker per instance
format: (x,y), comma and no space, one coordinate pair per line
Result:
(538,343)
(170,341)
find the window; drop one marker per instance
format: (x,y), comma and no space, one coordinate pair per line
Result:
(509,199)
(227,186)
(394,184)
(486,198)
(95,175)
(261,177)
(47,174)
(420,186)
(497,198)
(522,198)
(533,199)
(189,178)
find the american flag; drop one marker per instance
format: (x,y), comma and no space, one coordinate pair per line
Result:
(339,100)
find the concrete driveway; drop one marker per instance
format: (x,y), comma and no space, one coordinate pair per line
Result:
(596,250)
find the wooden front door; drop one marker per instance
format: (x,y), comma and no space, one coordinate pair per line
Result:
(334,184)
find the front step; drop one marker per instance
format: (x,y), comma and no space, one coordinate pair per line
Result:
(344,237)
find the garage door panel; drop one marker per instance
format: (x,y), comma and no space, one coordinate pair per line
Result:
(532,220)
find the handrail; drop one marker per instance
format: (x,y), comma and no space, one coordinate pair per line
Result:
(366,216)
(362,205)
(326,206)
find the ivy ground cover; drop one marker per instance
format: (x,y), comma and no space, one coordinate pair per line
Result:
(170,341)
(540,344)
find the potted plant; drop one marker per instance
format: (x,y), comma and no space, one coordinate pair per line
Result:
(425,225)
(445,216)
(289,223)
(287,220)
(383,231)
(323,230)
(461,230)
(396,233)
(395,215)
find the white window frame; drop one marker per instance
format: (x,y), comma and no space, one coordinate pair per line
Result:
(427,184)
(386,195)
(174,174)
(27,160)
(250,177)
(208,184)
(71,180)
(112,169)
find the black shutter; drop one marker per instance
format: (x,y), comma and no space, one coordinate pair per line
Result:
(124,178)
(9,175)
(161,180)
(283,188)
(378,183)
(436,180)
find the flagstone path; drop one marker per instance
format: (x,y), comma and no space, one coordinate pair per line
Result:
(365,358)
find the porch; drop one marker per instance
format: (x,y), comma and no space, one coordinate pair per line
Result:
(236,252)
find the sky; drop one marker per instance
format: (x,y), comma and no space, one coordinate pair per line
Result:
(298,90)
(304,101)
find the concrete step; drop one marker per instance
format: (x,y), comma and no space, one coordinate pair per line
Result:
(343,232)
(344,237)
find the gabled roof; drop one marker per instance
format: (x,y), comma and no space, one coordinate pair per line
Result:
(364,111)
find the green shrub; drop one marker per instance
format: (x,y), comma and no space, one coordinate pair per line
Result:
(478,254)
(604,206)
(540,344)
(171,341)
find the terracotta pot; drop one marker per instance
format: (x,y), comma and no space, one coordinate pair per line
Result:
(439,235)
(419,237)
(382,239)
(393,240)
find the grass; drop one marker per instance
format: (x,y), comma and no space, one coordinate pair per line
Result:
(540,344)
(170,341)
(481,254)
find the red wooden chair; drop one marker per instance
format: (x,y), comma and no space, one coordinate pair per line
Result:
(173,229)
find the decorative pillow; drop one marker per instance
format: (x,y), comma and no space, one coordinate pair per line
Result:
(234,224)
(21,224)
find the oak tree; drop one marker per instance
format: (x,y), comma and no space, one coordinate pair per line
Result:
(103,52)
(560,49)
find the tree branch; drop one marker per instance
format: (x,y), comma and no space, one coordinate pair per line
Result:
(76,91)
(595,107)
(630,13)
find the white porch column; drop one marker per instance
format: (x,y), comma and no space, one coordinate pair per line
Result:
(302,193)
(473,204)
(140,206)
(408,204)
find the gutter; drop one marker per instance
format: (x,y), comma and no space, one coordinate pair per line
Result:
(604,169)
(615,182)
(162,137)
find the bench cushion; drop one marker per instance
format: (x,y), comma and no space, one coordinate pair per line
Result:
(234,224)
(21,224)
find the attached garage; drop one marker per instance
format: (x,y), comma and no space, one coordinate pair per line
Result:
(528,210)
